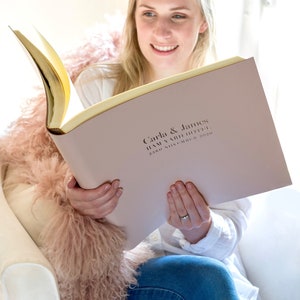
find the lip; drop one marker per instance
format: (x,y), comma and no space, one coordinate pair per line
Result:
(164,49)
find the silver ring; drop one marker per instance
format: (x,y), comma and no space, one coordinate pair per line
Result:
(184,217)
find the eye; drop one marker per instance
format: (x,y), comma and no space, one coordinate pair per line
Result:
(178,17)
(149,14)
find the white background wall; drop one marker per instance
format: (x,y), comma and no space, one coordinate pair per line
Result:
(62,22)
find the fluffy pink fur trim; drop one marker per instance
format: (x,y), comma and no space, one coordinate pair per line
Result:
(87,256)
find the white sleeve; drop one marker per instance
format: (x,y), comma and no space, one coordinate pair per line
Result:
(92,86)
(229,221)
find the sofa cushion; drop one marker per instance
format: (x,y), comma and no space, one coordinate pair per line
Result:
(270,248)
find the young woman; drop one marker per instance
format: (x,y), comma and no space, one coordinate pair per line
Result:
(162,38)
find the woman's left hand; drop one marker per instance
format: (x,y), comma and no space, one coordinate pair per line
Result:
(189,211)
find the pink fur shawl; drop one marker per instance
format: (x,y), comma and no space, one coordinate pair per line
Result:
(88,256)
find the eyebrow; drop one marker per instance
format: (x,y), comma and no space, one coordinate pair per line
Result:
(180,8)
(172,9)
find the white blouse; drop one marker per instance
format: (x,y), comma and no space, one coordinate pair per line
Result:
(229,220)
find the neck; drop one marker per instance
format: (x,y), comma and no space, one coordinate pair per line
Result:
(160,74)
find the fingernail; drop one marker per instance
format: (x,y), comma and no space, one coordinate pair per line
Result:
(179,185)
(189,185)
(116,184)
(71,182)
(173,188)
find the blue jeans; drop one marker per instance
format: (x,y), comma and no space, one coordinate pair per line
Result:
(183,277)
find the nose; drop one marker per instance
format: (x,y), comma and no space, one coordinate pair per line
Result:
(163,28)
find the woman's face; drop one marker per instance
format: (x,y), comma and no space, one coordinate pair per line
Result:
(167,33)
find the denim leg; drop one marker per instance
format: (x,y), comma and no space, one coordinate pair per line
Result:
(188,277)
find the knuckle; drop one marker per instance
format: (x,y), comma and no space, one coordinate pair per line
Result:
(181,211)
(189,206)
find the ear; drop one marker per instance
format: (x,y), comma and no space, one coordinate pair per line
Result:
(203,27)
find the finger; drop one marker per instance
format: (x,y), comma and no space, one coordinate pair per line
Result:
(107,190)
(177,192)
(103,210)
(100,208)
(188,202)
(79,196)
(199,201)
(96,202)
(173,214)
(176,218)
(72,182)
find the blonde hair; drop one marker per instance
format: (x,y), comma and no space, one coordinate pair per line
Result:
(132,66)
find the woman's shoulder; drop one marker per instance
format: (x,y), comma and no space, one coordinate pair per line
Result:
(94,72)
(95,84)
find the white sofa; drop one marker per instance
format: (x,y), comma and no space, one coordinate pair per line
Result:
(271,246)
(24,271)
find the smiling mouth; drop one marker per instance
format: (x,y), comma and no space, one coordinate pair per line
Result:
(164,48)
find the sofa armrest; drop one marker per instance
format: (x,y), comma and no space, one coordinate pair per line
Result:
(21,261)
(28,281)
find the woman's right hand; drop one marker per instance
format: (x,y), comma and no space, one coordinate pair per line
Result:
(96,203)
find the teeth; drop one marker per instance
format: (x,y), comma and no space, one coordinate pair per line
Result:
(164,48)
